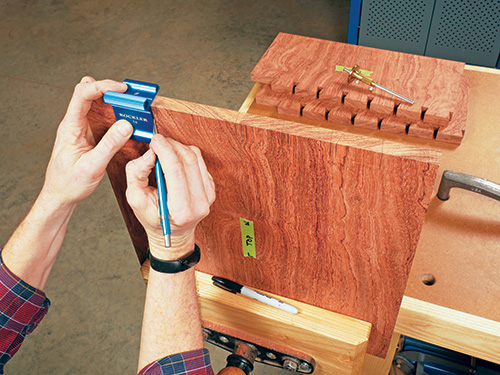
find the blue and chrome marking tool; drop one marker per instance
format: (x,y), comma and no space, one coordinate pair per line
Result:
(134,105)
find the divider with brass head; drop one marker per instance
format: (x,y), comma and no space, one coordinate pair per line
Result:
(356,75)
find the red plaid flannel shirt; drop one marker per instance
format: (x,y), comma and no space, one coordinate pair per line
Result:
(22,307)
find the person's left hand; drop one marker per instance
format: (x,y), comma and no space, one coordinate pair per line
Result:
(77,164)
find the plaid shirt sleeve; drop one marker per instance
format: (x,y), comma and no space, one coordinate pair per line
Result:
(196,362)
(22,307)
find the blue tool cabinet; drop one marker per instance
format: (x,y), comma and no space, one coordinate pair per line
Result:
(462,30)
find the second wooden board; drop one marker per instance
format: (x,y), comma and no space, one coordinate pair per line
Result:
(312,67)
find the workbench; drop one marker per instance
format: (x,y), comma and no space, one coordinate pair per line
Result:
(458,248)
(452,291)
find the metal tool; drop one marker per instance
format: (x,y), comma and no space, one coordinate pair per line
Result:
(477,185)
(134,105)
(244,354)
(356,75)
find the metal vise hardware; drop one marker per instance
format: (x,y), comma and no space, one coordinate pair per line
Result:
(264,355)
(464,181)
(134,105)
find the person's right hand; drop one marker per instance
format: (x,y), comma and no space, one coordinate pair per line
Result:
(191,191)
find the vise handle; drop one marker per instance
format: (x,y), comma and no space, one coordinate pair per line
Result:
(477,185)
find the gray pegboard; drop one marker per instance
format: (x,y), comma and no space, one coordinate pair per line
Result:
(466,30)
(397,25)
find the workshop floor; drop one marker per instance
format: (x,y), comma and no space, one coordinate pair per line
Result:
(196,51)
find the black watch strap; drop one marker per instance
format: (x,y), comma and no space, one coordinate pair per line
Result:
(175,266)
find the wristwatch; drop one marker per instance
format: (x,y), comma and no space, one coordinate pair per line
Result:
(175,266)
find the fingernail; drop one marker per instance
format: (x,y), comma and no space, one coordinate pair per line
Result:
(86,79)
(125,127)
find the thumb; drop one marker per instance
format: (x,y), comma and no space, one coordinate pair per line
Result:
(111,143)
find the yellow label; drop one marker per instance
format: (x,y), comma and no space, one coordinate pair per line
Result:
(340,68)
(247,238)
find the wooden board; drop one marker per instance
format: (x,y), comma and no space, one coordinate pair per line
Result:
(337,216)
(452,329)
(332,111)
(336,342)
(300,79)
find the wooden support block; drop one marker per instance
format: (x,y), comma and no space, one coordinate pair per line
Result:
(450,328)
(249,100)
(336,342)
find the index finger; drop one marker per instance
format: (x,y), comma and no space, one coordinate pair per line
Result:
(86,92)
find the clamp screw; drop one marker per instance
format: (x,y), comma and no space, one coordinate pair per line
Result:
(290,365)
(271,355)
(223,339)
(305,367)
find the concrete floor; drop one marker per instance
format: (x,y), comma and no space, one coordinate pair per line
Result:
(197,51)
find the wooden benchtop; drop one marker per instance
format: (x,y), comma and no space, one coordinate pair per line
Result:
(460,241)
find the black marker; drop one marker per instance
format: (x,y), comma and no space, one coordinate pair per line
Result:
(234,287)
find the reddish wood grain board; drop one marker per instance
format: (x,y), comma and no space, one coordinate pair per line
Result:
(455,131)
(333,110)
(337,216)
(295,65)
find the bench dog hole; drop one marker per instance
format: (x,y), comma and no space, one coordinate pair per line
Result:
(428,279)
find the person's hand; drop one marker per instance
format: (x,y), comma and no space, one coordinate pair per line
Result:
(77,164)
(191,191)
